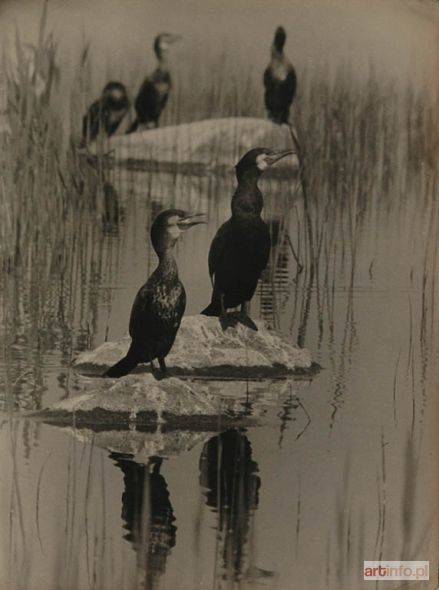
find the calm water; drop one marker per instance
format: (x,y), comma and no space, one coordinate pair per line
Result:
(340,469)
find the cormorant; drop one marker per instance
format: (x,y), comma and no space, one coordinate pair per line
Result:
(106,113)
(154,91)
(159,305)
(241,247)
(279,80)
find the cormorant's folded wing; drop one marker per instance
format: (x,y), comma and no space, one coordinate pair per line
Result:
(268,78)
(142,312)
(262,251)
(290,84)
(146,100)
(218,248)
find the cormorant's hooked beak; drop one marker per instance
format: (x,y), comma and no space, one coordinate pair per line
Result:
(277,155)
(190,220)
(171,39)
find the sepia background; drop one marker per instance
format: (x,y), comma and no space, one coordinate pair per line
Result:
(340,468)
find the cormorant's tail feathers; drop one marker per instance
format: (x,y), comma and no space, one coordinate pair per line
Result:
(133,127)
(123,367)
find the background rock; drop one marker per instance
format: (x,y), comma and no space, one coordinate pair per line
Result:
(211,144)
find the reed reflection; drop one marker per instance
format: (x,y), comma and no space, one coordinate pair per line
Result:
(231,485)
(275,283)
(148,517)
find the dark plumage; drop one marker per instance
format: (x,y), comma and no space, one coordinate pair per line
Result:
(241,247)
(159,305)
(154,91)
(106,113)
(280,81)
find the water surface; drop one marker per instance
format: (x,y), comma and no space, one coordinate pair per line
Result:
(339,469)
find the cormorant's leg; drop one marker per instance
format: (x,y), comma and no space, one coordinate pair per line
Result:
(244,318)
(133,127)
(157,373)
(163,367)
(227,320)
(155,463)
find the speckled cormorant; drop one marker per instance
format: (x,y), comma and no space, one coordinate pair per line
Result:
(159,305)
(154,91)
(240,249)
(106,113)
(279,80)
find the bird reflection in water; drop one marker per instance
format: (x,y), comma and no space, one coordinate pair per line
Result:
(231,486)
(148,516)
(111,210)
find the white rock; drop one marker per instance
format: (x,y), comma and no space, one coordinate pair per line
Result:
(212,143)
(203,349)
(163,440)
(139,403)
(228,376)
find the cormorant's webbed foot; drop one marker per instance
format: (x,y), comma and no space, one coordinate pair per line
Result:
(243,318)
(228,320)
(161,373)
(232,319)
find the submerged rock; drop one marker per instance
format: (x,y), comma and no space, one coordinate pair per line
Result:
(141,445)
(203,349)
(211,144)
(141,442)
(230,376)
(141,401)
(139,416)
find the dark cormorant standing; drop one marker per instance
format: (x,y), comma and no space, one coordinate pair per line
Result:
(154,91)
(279,80)
(106,113)
(241,247)
(159,305)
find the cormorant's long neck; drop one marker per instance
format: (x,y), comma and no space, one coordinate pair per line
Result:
(247,199)
(162,63)
(248,181)
(167,264)
(277,54)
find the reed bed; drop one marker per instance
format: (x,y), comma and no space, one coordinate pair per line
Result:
(365,149)
(369,154)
